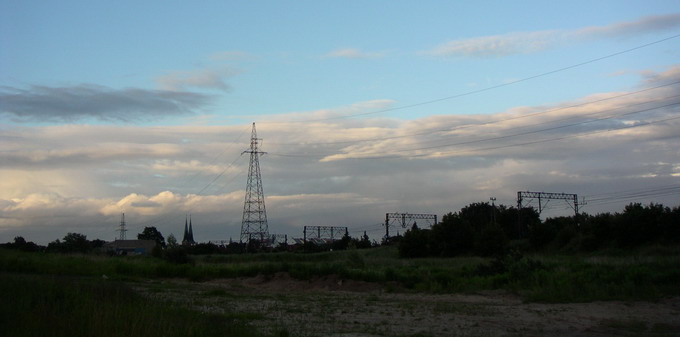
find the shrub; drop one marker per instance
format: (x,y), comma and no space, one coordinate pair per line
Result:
(176,255)
(491,241)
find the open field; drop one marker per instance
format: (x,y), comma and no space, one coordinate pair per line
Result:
(353,293)
(329,306)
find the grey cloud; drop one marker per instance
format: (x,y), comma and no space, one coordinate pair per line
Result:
(357,193)
(644,25)
(536,41)
(212,78)
(73,103)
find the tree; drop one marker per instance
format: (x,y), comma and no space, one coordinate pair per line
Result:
(19,241)
(21,244)
(75,242)
(151,233)
(172,241)
(491,241)
(453,236)
(341,244)
(415,243)
(365,242)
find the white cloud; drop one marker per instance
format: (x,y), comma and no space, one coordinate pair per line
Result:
(531,42)
(498,45)
(79,178)
(209,78)
(353,53)
(231,56)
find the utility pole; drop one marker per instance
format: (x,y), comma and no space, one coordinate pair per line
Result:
(254,222)
(493,210)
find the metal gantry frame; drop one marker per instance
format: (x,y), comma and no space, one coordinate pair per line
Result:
(525,198)
(406,220)
(277,239)
(331,233)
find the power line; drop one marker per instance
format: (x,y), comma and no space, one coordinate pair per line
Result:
(564,137)
(540,130)
(614,197)
(164,217)
(453,128)
(633,191)
(472,92)
(486,139)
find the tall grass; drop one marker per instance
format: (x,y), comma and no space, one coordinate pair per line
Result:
(48,305)
(538,278)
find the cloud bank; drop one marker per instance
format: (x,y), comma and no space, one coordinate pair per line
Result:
(338,171)
(89,101)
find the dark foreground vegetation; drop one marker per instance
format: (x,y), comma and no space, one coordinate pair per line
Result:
(50,305)
(77,290)
(651,273)
(482,230)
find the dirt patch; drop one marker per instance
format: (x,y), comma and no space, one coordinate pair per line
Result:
(283,282)
(330,306)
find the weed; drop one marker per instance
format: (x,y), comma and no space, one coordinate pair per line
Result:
(538,278)
(69,306)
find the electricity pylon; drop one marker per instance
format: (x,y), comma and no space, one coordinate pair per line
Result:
(122,228)
(254,223)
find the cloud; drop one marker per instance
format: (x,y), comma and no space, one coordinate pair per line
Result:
(355,109)
(532,42)
(143,204)
(90,101)
(644,25)
(655,78)
(231,56)
(353,53)
(497,45)
(340,172)
(210,78)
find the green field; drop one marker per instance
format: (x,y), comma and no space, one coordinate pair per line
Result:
(75,295)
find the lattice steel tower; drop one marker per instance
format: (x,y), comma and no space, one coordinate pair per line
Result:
(254,223)
(122,229)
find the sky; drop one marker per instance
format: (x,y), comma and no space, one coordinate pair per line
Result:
(363,108)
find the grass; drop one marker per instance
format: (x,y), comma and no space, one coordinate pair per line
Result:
(549,278)
(48,305)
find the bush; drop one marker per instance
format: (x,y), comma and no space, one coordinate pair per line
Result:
(177,255)
(415,243)
(491,241)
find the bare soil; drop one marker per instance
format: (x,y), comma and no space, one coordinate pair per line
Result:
(330,306)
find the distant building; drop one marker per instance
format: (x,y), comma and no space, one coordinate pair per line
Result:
(130,247)
(188,239)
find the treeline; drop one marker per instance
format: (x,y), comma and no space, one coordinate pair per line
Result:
(176,252)
(481,229)
(71,243)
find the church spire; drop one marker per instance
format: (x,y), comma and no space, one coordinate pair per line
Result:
(191,232)
(188,236)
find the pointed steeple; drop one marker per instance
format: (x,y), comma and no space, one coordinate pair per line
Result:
(185,238)
(191,232)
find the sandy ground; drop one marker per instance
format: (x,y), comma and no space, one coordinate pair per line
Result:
(333,307)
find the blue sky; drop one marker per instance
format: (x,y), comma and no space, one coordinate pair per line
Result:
(275,57)
(108,105)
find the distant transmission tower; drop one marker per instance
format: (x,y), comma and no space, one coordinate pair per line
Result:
(122,228)
(254,223)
